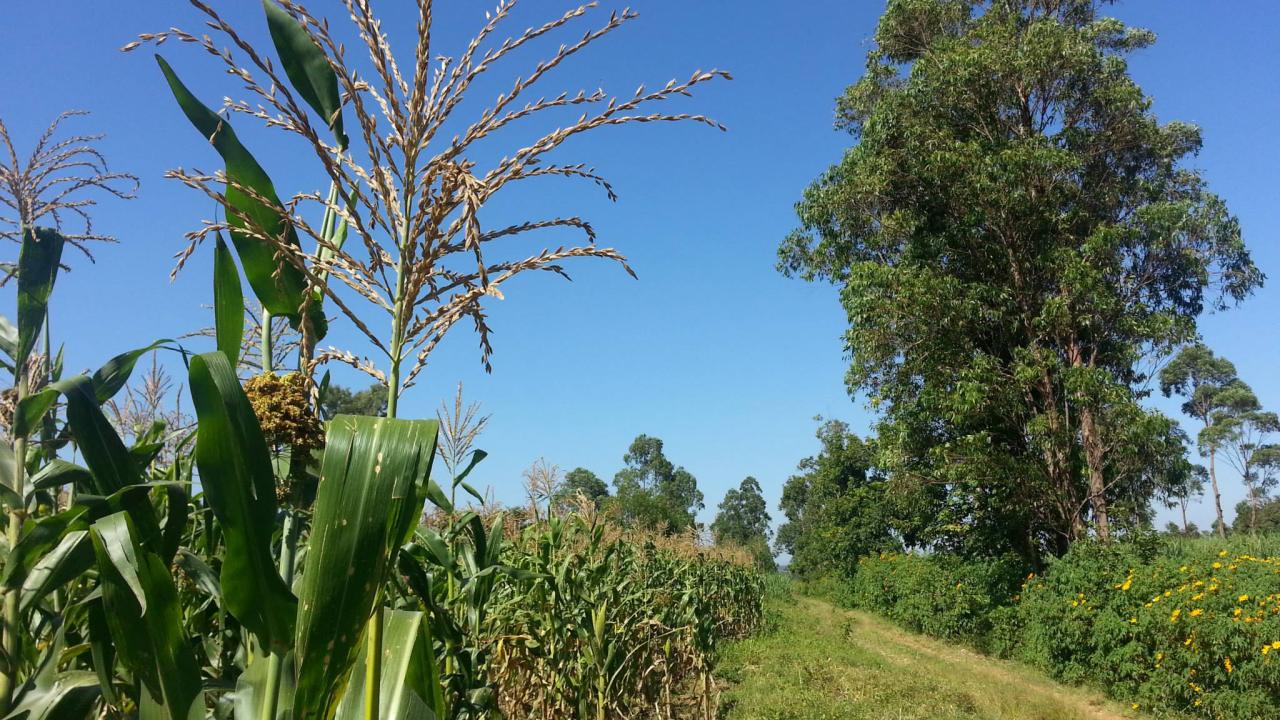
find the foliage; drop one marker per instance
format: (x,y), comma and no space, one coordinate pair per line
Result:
(338,400)
(1262,517)
(1208,383)
(1012,233)
(651,493)
(836,508)
(184,574)
(583,482)
(1168,625)
(607,624)
(941,596)
(1186,629)
(742,519)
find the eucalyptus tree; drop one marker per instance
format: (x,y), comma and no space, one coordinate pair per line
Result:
(652,492)
(1206,381)
(742,518)
(582,482)
(1181,494)
(1012,231)
(1242,429)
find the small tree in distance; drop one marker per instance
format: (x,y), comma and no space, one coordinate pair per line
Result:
(743,519)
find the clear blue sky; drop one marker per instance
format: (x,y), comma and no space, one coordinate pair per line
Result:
(711,350)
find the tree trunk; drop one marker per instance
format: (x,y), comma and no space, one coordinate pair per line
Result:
(1186,529)
(1217,496)
(1097,482)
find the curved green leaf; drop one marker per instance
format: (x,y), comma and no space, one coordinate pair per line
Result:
(145,618)
(279,286)
(235,473)
(228,303)
(37,269)
(366,500)
(307,68)
(46,535)
(104,452)
(60,472)
(112,376)
(31,411)
(69,695)
(409,677)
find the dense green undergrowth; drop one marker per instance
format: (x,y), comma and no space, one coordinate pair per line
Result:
(1173,627)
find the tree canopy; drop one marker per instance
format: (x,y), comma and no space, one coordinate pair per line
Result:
(742,519)
(836,508)
(1013,231)
(651,492)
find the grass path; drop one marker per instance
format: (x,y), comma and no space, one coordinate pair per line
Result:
(819,662)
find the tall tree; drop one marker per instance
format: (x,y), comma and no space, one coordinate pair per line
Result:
(339,400)
(1242,428)
(1012,231)
(1200,377)
(1181,494)
(743,520)
(836,508)
(583,482)
(652,492)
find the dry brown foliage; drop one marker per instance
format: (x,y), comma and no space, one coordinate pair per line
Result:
(411,197)
(49,187)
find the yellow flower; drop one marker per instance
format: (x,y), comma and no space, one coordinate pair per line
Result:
(1222,554)
(1226,663)
(1197,612)
(1243,598)
(1174,616)
(1275,645)
(1217,566)
(1134,706)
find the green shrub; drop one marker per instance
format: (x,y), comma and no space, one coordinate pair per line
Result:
(938,595)
(1194,628)
(1171,625)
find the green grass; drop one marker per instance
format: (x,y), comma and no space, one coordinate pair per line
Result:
(818,662)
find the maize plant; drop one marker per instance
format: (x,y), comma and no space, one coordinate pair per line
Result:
(266,564)
(607,625)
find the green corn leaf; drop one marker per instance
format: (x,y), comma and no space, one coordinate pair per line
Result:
(112,376)
(145,619)
(104,452)
(69,695)
(365,502)
(37,269)
(436,547)
(436,495)
(251,690)
(31,411)
(307,68)
(44,536)
(64,563)
(238,483)
(279,286)
(199,571)
(8,338)
(102,650)
(228,303)
(409,677)
(60,472)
